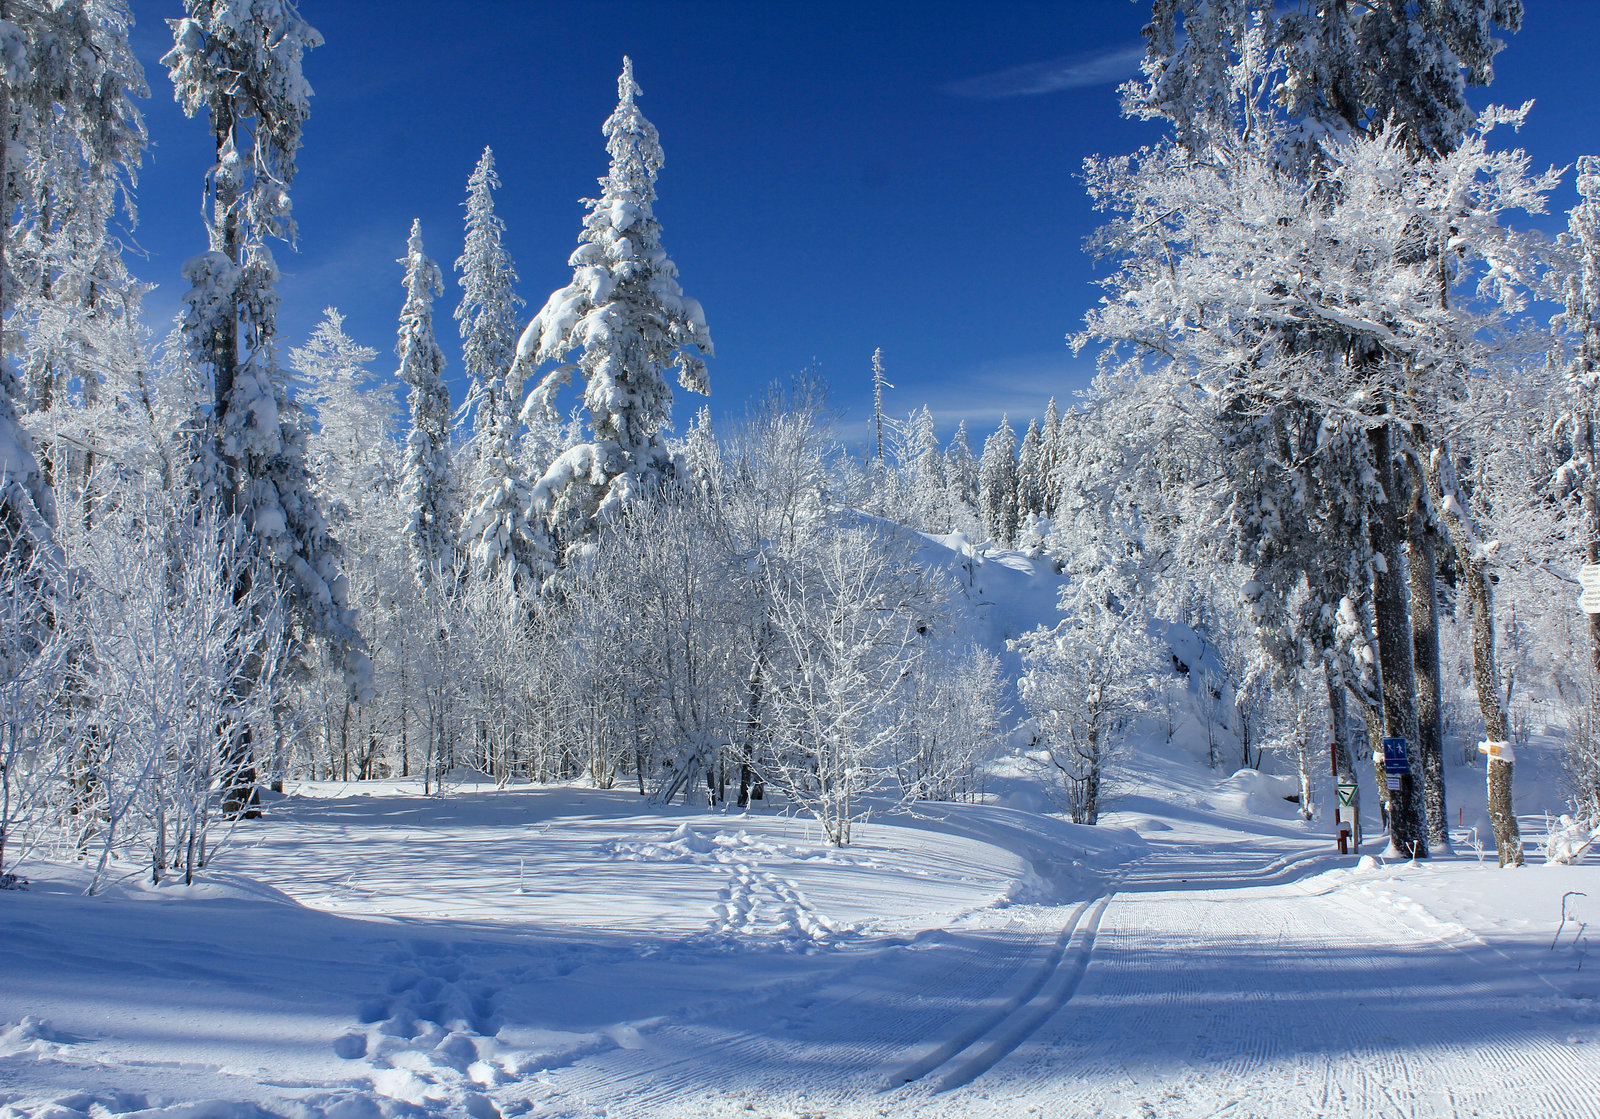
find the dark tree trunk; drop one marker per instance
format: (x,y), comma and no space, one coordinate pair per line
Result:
(1374,729)
(752,728)
(1425,650)
(1408,825)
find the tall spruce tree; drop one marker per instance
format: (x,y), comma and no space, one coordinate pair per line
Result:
(425,486)
(961,469)
(1051,457)
(240,64)
(627,315)
(488,308)
(497,536)
(1030,473)
(997,483)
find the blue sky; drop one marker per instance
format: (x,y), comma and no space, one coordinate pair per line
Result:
(839,176)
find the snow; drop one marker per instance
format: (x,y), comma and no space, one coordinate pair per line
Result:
(557,951)
(367,951)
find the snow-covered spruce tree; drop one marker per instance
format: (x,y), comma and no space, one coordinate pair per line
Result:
(240,64)
(425,488)
(961,472)
(355,412)
(997,484)
(1030,474)
(1050,454)
(701,453)
(70,141)
(930,492)
(497,536)
(626,313)
(488,308)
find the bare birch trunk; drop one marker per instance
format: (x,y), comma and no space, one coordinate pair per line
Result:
(1473,560)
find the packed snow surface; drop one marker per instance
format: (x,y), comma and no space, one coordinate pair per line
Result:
(367,951)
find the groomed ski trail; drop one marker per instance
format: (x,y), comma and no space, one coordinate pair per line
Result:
(1248,992)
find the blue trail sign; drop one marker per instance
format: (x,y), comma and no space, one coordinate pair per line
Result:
(1395,762)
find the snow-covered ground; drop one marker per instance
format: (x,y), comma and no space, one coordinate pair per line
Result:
(367,951)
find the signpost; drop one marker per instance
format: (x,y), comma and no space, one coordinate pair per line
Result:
(1347,795)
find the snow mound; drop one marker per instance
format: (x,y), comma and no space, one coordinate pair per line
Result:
(31,1035)
(1568,840)
(1251,792)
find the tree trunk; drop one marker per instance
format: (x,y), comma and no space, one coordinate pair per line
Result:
(1425,650)
(752,727)
(1374,726)
(1408,825)
(1473,560)
(1591,516)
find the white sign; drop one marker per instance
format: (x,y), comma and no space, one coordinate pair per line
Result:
(1589,600)
(1500,751)
(1589,575)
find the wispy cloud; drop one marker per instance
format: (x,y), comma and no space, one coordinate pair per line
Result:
(1019,387)
(1036,78)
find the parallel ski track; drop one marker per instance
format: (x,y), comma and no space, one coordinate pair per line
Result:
(1182,1015)
(840,1040)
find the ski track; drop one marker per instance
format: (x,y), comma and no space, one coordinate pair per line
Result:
(1270,1000)
(1207,984)
(842,1040)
